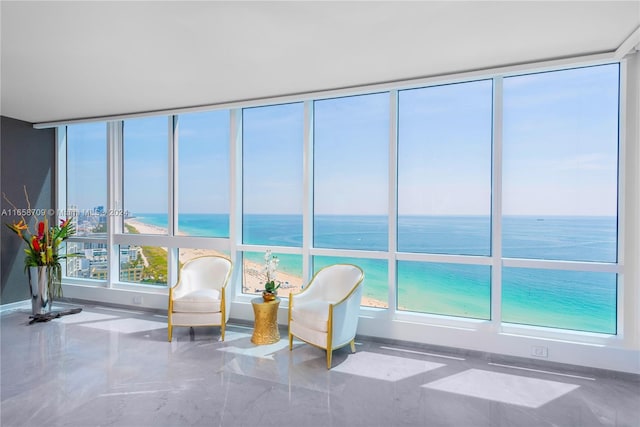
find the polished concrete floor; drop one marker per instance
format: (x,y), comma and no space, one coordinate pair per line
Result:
(114,367)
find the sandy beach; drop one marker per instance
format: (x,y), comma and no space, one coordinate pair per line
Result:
(144,228)
(253,277)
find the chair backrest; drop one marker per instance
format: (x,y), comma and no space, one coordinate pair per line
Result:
(336,281)
(210,272)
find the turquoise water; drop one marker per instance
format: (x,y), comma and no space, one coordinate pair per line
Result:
(570,300)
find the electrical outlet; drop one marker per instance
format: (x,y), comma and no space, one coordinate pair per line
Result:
(539,351)
(137,299)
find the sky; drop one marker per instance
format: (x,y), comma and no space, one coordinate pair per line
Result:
(560,142)
(560,137)
(272,149)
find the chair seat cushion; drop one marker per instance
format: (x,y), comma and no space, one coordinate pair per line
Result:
(200,301)
(312,314)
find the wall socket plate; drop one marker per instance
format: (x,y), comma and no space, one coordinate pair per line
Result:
(539,351)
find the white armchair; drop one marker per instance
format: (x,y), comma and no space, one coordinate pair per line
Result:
(325,313)
(198,299)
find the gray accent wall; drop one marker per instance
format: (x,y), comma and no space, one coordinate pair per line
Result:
(27,157)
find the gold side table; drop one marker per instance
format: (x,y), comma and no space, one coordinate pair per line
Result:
(265,328)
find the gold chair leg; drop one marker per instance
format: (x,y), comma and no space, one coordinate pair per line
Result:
(290,341)
(353,345)
(329,354)
(222,331)
(170,328)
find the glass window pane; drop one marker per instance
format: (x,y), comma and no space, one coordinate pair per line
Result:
(86,260)
(272,230)
(351,172)
(364,232)
(203,174)
(143,264)
(87,177)
(583,238)
(288,273)
(375,292)
(272,175)
(560,161)
(146,224)
(146,166)
(577,300)
(447,289)
(444,169)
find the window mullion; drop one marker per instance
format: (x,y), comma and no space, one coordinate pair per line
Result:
(173,150)
(235,198)
(393,199)
(307,195)
(115,172)
(496,205)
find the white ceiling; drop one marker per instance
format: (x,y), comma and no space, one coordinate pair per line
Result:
(69,60)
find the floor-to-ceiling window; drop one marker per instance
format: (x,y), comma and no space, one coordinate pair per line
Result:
(444,198)
(436,238)
(272,174)
(350,179)
(201,146)
(176,183)
(560,198)
(145,177)
(86,200)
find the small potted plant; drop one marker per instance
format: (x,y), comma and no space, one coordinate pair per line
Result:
(270,267)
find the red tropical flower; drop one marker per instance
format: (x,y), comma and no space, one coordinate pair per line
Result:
(36,244)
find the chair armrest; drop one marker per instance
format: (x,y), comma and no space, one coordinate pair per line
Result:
(176,291)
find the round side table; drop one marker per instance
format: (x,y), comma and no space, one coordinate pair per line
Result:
(265,328)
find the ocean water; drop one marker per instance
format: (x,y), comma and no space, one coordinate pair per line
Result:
(563,299)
